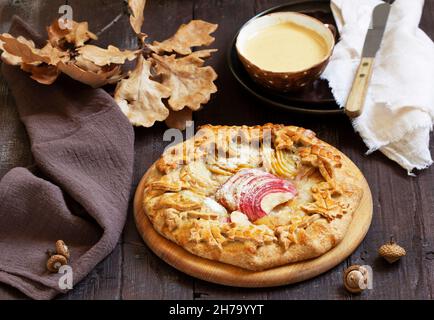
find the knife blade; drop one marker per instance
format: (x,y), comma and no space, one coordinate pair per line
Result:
(374,36)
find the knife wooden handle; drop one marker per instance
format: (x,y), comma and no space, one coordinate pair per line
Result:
(356,98)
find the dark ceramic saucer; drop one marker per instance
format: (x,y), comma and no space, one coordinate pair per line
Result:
(314,99)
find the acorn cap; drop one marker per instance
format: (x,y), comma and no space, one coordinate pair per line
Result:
(391,251)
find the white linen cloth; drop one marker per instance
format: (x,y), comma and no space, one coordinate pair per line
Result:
(399,109)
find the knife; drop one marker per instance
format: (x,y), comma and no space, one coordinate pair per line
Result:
(356,98)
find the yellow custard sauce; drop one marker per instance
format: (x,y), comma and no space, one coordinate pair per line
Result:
(285,47)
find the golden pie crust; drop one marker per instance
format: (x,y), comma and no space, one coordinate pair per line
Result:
(182,195)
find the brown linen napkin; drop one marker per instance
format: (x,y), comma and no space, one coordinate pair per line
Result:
(78,190)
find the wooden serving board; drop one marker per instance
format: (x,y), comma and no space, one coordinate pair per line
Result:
(229,275)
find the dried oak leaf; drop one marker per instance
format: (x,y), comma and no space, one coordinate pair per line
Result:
(77,35)
(102,57)
(193,34)
(142,37)
(108,74)
(43,73)
(87,65)
(191,84)
(54,54)
(140,98)
(136,14)
(178,119)
(24,49)
(41,63)
(10,58)
(201,54)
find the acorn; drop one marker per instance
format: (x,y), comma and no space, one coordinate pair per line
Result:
(62,249)
(391,251)
(355,279)
(58,257)
(55,262)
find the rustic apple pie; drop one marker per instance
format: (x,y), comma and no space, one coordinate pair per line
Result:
(254,197)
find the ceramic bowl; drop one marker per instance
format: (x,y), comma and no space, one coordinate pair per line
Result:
(291,80)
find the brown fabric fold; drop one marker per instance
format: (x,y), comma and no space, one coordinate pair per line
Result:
(78,189)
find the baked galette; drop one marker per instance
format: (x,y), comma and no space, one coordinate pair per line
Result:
(254,197)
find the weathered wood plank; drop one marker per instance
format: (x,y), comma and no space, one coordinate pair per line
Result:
(403,206)
(232,105)
(38,13)
(395,206)
(230,15)
(99,14)
(425,184)
(14,142)
(424,207)
(14,151)
(145,276)
(104,282)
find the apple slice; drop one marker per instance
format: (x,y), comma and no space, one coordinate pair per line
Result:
(240,218)
(265,198)
(229,192)
(272,200)
(255,193)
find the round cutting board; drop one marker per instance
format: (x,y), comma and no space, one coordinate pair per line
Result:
(225,274)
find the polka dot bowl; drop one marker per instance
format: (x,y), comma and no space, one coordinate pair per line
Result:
(285,81)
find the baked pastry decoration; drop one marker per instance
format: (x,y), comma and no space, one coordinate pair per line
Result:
(253,197)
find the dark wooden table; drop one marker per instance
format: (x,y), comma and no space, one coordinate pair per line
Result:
(403,205)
